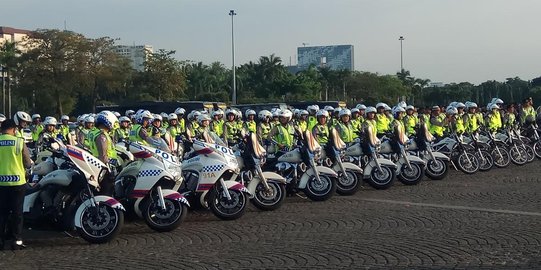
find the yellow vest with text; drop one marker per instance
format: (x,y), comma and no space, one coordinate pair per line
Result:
(12,172)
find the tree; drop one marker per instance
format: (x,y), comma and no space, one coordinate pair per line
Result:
(166,80)
(107,73)
(53,68)
(9,61)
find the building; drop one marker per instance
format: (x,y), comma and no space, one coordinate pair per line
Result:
(337,57)
(136,53)
(12,34)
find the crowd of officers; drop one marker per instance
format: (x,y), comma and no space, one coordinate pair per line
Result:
(98,133)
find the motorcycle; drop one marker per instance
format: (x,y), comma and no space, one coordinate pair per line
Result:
(349,174)
(421,145)
(459,152)
(479,148)
(66,196)
(497,149)
(149,184)
(380,173)
(209,173)
(299,168)
(409,168)
(268,188)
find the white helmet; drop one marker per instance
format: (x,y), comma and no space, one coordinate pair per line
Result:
(238,113)
(355,110)
(459,105)
(164,115)
(360,107)
(124,119)
(172,116)
(329,108)
(402,104)
(89,119)
(493,106)
(276,113)
(397,109)
(312,109)
(370,109)
(106,118)
(2,118)
(217,112)
(322,113)
(296,112)
(250,112)
(140,117)
(230,111)
(451,110)
(203,117)
(157,117)
(410,107)
(130,113)
(472,105)
(180,111)
(193,115)
(65,118)
(117,114)
(50,121)
(452,104)
(381,104)
(344,112)
(303,112)
(21,116)
(34,116)
(264,114)
(337,110)
(287,114)
(387,108)
(496,101)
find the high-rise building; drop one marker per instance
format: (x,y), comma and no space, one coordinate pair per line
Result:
(136,53)
(337,57)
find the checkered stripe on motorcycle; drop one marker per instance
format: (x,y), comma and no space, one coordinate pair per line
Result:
(9,178)
(92,161)
(213,168)
(147,173)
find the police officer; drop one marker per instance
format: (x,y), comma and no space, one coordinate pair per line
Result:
(438,122)
(15,158)
(139,131)
(284,132)
(382,121)
(321,130)
(217,124)
(103,147)
(250,124)
(344,126)
(264,126)
(22,120)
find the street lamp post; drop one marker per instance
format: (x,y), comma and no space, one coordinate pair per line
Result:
(234,84)
(401,55)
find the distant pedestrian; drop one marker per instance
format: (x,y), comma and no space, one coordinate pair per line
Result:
(15,158)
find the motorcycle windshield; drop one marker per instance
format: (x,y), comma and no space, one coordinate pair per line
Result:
(88,164)
(337,141)
(311,143)
(259,151)
(423,131)
(212,138)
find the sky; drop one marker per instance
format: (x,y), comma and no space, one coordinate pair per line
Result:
(445,40)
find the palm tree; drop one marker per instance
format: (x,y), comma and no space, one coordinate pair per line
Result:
(9,54)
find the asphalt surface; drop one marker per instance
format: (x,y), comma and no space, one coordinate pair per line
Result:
(488,220)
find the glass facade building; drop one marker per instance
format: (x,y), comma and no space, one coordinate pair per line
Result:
(337,57)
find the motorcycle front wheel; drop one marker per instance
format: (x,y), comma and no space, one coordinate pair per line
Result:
(224,208)
(468,163)
(100,224)
(382,179)
(437,169)
(411,176)
(162,220)
(268,200)
(320,191)
(348,185)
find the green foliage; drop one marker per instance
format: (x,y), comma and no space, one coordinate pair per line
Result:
(63,72)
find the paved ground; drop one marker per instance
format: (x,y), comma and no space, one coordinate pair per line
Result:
(488,220)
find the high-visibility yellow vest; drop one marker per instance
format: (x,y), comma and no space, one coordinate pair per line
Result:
(284,136)
(321,133)
(437,130)
(217,126)
(265,130)
(382,123)
(410,122)
(134,134)
(312,122)
(472,123)
(251,126)
(303,125)
(12,171)
(346,132)
(93,135)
